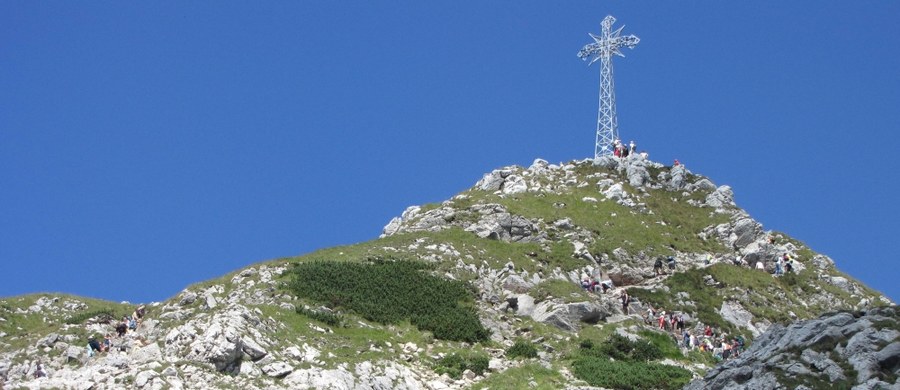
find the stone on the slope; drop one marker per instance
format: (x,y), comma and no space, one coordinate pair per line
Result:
(677,178)
(277,369)
(492,181)
(514,184)
(704,184)
(746,231)
(219,345)
(506,227)
(720,198)
(74,353)
(516,284)
(615,192)
(568,316)
(609,162)
(737,315)
(636,171)
(146,354)
(253,349)
(144,377)
(49,340)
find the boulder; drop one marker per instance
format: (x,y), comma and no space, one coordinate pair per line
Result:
(720,198)
(514,184)
(253,349)
(492,181)
(277,369)
(677,178)
(144,377)
(609,162)
(146,354)
(568,316)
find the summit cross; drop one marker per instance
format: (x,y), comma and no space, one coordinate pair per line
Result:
(605,45)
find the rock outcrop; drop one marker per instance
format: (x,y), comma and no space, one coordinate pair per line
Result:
(841,350)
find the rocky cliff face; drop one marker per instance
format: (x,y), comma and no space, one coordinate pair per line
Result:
(523,238)
(843,350)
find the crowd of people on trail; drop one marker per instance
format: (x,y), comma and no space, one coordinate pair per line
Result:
(718,344)
(128,323)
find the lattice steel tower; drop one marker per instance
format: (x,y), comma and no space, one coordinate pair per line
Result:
(603,48)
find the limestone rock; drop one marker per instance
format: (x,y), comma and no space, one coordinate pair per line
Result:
(720,198)
(277,369)
(568,316)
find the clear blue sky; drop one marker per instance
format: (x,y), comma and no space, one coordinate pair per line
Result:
(148,146)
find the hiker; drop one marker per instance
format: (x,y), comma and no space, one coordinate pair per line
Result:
(760,266)
(778,264)
(671,261)
(662,320)
(625,300)
(686,338)
(585,282)
(657,266)
(39,370)
(789,266)
(138,314)
(680,321)
(606,285)
(708,331)
(631,147)
(122,327)
(132,323)
(107,342)
(93,345)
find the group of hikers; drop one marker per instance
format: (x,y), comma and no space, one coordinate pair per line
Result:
(621,150)
(122,327)
(783,263)
(719,345)
(658,264)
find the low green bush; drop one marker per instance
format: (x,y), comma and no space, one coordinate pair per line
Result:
(631,366)
(456,363)
(629,375)
(522,348)
(321,316)
(621,348)
(389,292)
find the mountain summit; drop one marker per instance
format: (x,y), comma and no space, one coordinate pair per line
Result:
(613,272)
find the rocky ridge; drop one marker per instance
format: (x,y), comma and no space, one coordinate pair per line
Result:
(859,350)
(524,237)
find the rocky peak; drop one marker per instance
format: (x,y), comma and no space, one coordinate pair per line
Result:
(524,240)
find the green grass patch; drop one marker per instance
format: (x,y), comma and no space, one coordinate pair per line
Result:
(389,292)
(563,289)
(530,376)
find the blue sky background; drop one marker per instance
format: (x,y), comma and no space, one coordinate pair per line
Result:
(145,146)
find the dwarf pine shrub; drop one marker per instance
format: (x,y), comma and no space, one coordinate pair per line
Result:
(388,292)
(522,348)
